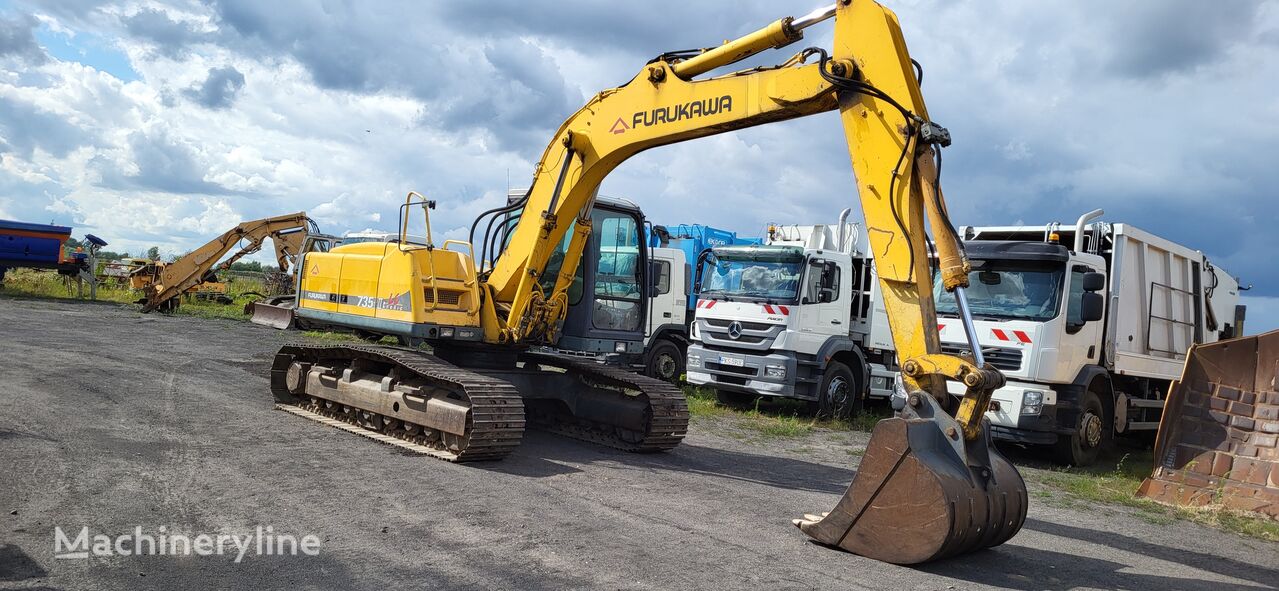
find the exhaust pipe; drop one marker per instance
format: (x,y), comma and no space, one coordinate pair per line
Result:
(843,223)
(1079,227)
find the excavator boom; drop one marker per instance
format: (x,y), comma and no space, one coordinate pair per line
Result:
(191,269)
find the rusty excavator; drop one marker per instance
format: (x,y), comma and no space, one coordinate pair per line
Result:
(163,283)
(930,484)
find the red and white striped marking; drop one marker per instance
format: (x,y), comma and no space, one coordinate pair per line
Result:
(708,304)
(769,309)
(1011,335)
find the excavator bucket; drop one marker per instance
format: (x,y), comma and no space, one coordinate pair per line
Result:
(274,312)
(924,493)
(1216,441)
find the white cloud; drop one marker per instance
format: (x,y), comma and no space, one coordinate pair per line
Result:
(1053,113)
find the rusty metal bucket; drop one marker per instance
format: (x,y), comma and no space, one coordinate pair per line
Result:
(274,312)
(923,493)
(1217,436)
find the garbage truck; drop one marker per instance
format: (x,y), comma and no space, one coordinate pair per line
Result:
(1090,323)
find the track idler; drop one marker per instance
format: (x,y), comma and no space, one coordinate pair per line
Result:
(924,493)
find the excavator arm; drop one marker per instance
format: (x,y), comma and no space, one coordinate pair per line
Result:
(869,78)
(930,484)
(190,269)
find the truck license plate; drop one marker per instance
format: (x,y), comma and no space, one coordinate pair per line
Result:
(732,361)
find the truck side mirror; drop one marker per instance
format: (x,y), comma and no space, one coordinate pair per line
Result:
(829,272)
(1091,305)
(1094,281)
(825,296)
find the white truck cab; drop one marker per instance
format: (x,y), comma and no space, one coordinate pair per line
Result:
(1088,337)
(791,318)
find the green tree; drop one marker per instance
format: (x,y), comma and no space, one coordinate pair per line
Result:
(153,253)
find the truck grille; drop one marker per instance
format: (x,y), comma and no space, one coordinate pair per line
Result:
(1004,358)
(755,336)
(723,323)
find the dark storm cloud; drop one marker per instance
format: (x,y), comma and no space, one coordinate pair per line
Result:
(356,47)
(524,97)
(165,163)
(1157,37)
(170,37)
(17,40)
(219,89)
(510,88)
(23,128)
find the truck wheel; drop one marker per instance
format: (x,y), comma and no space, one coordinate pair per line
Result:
(734,399)
(840,395)
(1090,434)
(665,362)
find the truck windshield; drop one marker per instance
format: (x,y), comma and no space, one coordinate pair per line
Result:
(752,279)
(1019,290)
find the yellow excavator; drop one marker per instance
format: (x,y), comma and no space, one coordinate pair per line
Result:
(930,484)
(162,283)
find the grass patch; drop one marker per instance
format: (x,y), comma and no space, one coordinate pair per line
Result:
(48,284)
(346,337)
(1118,485)
(779,418)
(334,337)
(704,406)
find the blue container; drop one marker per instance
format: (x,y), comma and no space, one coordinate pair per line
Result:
(694,239)
(31,245)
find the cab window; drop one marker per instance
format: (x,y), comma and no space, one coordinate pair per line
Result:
(618,290)
(663,277)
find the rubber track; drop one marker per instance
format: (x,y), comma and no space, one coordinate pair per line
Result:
(495,427)
(666,404)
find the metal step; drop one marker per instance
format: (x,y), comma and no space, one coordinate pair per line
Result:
(1145,403)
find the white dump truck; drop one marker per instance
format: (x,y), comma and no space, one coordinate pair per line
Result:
(1088,323)
(794,317)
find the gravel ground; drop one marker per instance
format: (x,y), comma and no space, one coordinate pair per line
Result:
(111,420)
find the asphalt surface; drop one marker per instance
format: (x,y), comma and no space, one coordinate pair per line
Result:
(112,420)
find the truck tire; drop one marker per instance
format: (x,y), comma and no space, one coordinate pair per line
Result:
(1090,433)
(840,396)
(735,399)
(665,362)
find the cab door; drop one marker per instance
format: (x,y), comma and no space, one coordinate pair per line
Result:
(822,306)
(1081,343)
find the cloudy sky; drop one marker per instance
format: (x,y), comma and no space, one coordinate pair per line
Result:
(166,123)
